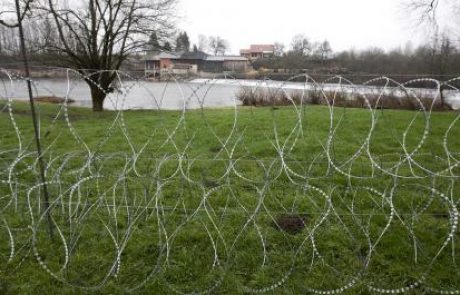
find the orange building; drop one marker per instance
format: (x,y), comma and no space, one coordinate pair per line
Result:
(258,51)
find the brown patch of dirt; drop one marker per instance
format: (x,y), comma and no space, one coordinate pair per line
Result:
(441,215)
(53,99)
(215,149)
(290,223)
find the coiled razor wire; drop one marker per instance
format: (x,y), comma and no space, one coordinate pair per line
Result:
(159,213)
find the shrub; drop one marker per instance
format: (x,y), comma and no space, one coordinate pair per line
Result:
(250,96)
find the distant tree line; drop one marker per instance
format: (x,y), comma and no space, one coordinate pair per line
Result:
(37,40)
(212,44)
(42,38)
(182,43)
(439,56)
(44,42)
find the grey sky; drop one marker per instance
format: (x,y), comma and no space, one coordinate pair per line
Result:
(345,23)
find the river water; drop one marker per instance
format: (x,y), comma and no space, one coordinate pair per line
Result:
(133,94)
(217,93)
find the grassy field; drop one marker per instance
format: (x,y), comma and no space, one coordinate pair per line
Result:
(261,200)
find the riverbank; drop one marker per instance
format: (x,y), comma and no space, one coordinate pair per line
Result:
(208,93)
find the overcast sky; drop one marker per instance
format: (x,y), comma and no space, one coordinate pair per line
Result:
(346,24)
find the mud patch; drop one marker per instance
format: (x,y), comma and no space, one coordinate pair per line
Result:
(290,223)
(53,99)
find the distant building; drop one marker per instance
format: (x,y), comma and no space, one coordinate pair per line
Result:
(158,61)
(192,62)
(226,63)
(258,51)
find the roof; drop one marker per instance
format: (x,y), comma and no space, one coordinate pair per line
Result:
(226,58)
(235,58)
(262,48)
(184,55)
(192,55)
(215,58)
(259,48)
(160,55)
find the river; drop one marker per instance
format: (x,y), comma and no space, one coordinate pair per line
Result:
(217,93)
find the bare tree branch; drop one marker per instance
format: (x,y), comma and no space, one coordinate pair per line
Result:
(22,14)
(98,35)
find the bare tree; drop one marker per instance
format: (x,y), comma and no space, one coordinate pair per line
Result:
(218,45)
(443,50)
(96,36)
(8,42)
(9,20)
(435,13)
(323,50)
(440,15)
(8,14)
(423,10)
(279,49)
(300,45)
(203,43)
(38,35)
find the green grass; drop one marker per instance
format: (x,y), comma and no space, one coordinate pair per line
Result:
(189,213)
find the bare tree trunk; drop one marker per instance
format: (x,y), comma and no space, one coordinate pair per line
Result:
(97,97)
(442,97)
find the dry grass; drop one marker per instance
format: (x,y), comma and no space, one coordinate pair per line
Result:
(269,97)
(278,97)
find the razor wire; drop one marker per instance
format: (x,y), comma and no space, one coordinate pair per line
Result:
(234,217)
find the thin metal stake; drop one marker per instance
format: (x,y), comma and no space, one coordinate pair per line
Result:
(34,120)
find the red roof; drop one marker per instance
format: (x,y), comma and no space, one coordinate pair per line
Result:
(262,48)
